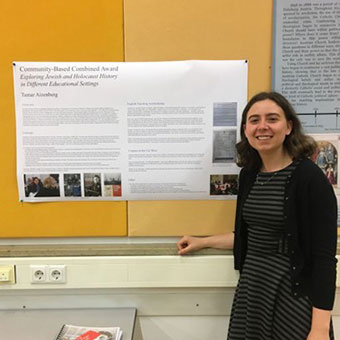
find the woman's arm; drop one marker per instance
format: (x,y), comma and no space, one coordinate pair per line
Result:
(320,324)
(322,209)
(323,224)
(189,243)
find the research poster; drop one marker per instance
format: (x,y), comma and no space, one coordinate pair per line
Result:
(128,131)
(306,60)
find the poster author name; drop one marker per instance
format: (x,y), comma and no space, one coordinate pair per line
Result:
(39,94)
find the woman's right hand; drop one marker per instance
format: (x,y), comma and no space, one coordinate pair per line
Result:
(189,244)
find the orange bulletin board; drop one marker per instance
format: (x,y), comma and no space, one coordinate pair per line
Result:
(117,30)
(54,30)
(196,29)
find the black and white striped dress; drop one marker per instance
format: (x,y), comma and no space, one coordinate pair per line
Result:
(263,307)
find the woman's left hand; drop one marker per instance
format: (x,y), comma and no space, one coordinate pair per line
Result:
(321,319)
(318,335)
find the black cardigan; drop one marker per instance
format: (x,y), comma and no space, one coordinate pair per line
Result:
(310,212)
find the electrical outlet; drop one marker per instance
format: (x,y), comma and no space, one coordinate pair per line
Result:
(38,274)
(57,273)
(7,274)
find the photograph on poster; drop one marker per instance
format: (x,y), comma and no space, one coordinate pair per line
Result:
(72,185)
(223,146)
(41,185)
(326,156)
(223,184)
(92,184)
(225,114)
(112,185)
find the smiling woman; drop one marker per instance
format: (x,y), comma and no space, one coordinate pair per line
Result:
(280,123)
(266,128)
(285,230)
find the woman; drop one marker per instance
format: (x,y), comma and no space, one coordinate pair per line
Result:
(50,188)
(34,187)
(285,230)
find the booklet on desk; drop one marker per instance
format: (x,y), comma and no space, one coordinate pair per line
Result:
(71,332)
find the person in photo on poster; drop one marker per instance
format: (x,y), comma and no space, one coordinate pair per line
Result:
(93,185)
(72,186)
(321,159)
(33,187)
(285,235)
(50,187)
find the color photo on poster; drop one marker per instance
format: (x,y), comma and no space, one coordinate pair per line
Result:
(41,185)
(223,185)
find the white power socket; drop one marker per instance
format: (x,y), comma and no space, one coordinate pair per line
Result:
(48,273)
(38,274)
(57,273)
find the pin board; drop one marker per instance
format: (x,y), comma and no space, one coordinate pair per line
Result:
(56,30)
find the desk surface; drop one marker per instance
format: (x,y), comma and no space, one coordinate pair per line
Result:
(45,324)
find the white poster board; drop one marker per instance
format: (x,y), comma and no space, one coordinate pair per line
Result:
(128,131)
(306,60)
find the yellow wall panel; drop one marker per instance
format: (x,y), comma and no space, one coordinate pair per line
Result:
(54,30)
(196,29)
(174,218)
(200,29)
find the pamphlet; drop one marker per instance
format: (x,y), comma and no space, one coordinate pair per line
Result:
(72,332)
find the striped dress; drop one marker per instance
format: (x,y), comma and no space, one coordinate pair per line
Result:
(263,307)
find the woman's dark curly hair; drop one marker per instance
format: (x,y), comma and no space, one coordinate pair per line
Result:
(297,144)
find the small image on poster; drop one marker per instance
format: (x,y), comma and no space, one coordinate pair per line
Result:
(225,114)
(326,156)
(41,185)
(112,185)
(92,185)
(72,185)
(223,185)
(224,146)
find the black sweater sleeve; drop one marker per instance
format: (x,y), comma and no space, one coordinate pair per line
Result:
(323,220)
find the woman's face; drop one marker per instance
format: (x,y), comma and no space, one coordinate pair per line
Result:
(266,127)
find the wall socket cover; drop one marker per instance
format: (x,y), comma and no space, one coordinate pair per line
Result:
(38,273)
(57,273)
(7,274)
(51,274)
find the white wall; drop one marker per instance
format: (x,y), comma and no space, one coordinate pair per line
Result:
(176,297)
